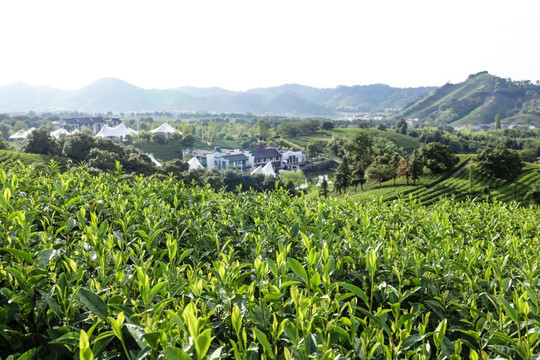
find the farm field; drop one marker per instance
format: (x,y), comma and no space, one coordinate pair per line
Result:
(139,268)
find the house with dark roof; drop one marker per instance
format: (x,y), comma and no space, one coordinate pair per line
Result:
(230,161)
(261,157)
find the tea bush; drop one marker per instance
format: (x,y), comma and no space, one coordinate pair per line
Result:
(110,266)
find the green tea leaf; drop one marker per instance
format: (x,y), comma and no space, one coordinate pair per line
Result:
(94,303)
(156,290)
(85,353)
(174,353)
(438,335)
(202,343)
(298,269)
(19,253)
(265,343)
(356,291)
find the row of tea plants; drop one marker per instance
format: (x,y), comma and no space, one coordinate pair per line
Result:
(109,266)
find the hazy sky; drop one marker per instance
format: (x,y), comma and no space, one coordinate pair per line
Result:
(239,45)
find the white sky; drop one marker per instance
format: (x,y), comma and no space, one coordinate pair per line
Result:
(239,45)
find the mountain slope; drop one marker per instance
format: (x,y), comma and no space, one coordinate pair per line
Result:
(478,100)
(115,95)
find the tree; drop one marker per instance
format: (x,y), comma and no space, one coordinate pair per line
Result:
(175,167)
(497,121)
(327,125)
(378,172)
(4,145)
(500,162)
(404,167)
(358,177)
(40,141)
(102,159)
(261,126)
(315,148)
(360,148)
(323,190)
(77,146)
(336,147)
(342,177)
(401,126)
(438,157)
(384,167)
(416,166)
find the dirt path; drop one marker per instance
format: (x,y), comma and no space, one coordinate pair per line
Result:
(456,173)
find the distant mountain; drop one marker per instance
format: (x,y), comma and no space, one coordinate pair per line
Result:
(115,95)
(478,100)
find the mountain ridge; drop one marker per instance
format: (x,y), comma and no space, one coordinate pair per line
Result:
(112,94)
(478,100)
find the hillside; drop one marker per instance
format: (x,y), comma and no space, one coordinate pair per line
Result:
(115,95)
(477,101)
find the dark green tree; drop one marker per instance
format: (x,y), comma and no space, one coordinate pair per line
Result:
(401,126)
(336,147)
(358,177)
(175,167)
(327,125)
(102,159)
(77,146)
(323,190)
(438,157)
(342,178)
(497,121)
(500,162)
(360,148)
(378,172)
(416,166)
(40,141)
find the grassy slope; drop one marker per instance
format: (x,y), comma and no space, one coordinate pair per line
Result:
(406,142)
(160,152)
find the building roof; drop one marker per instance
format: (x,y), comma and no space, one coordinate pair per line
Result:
(84,120)
(194,164)
(201,152)
(117,131)
(265,153)
(235,157)
(165,129)
(58,133)
(267,170)
(21,134)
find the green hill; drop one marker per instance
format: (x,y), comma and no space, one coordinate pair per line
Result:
(477,101)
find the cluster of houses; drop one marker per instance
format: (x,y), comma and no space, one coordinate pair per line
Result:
(266,160)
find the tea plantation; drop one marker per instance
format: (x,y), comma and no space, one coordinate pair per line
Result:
(117,267)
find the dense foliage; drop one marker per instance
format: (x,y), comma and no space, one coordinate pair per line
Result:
(114,266)
(500,162)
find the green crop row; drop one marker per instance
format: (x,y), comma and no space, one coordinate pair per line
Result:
(108,266)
